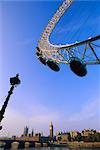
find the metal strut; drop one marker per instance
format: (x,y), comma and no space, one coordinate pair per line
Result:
(94,53)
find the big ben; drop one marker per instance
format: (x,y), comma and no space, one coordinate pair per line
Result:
(51,130)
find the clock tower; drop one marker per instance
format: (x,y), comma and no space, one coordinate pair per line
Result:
(51,130)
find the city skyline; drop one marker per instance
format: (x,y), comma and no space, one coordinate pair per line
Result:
(27,131)
(43,95)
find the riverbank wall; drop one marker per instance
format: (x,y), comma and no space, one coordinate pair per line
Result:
(83,144)
(24,144)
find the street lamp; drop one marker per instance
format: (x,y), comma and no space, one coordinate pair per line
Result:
(14,81)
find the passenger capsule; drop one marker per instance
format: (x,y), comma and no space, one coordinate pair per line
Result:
(53,65)
(38,49)
(37,53)
(78,67)
(42,60)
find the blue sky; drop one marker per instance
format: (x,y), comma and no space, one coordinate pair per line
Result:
(71,102)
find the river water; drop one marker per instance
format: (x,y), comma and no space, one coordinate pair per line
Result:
(58,148)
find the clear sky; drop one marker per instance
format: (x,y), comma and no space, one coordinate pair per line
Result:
(70,102)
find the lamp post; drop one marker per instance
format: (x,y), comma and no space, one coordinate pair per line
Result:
(14,81)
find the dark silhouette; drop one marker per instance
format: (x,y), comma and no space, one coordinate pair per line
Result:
(14,81)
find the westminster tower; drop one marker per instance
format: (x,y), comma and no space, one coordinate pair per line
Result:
(51,130)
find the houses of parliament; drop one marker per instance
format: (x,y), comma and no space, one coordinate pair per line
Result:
(61,137)
(37,136)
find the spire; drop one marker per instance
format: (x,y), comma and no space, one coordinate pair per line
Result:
(50,123)
(32,132)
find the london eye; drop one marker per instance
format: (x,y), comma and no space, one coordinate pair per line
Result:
(70,54)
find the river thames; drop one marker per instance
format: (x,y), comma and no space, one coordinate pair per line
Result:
(58,148)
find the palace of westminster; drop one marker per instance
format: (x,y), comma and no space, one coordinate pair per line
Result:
(61,137)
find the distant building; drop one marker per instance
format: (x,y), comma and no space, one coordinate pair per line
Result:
(51,130)
(26,129)
(63,137)
(32,134)
(87,132)
(74,134)
(35,138)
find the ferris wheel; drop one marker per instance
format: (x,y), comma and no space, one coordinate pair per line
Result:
(52,55)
